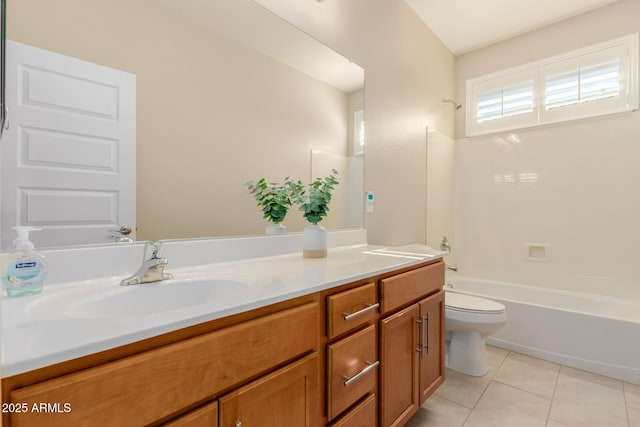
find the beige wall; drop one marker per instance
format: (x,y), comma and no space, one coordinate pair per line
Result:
(572,188)
(407,73)
(211,115)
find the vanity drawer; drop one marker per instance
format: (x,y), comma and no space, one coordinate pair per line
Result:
(365,414)
(403,288)
(352,369)
(350,309)
(205,416)
(149,386)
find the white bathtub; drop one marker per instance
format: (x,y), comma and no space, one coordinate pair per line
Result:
(590,332)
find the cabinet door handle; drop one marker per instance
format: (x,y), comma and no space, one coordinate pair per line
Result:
(368,308)
(425,325)
(420,348)
(370,366)
(238,424)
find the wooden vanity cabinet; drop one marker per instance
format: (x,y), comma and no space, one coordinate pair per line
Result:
(154,385)
(364,354)
(411,342)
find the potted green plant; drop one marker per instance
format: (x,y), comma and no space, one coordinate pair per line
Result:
(315,204)
(275,199)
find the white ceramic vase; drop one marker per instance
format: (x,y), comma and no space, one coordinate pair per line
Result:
(275,228)
(314,242)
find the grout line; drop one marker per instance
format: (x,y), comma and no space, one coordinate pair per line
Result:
(526,391)
(553,396)
(626,408)
(485,389)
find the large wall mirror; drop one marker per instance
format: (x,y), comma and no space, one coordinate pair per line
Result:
(225,92)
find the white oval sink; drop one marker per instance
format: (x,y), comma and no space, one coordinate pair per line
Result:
(114,301)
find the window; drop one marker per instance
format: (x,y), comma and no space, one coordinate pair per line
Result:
(506,102)
(358,132)
(597,80)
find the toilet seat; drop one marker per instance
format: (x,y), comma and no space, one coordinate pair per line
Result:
(471,304)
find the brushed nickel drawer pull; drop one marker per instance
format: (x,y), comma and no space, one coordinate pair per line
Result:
(371,365)
(367,309)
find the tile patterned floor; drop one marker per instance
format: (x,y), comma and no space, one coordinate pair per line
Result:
(524,391)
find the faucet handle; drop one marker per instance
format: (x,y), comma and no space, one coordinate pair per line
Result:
(152,250)
(444,244)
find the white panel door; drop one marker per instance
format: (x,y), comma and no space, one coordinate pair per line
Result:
(69,154)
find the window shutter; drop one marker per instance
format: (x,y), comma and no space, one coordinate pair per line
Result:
(597,80)
(504,102)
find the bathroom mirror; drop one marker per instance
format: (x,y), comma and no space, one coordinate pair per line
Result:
(226,92)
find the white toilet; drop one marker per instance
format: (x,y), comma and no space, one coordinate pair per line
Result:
(468,321)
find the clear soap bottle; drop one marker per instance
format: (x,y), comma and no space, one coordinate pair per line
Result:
(24,270)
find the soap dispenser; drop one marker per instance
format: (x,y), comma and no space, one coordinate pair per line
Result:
(24,271)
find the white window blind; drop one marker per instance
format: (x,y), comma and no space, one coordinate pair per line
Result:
(504,103)
(511,100)
(583,83)
(597,80)
(587,85)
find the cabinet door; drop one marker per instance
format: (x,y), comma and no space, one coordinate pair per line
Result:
(399,366)
(205,416)
(431,342)
(287,397)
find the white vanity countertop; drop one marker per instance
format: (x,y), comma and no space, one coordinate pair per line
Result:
(60,325)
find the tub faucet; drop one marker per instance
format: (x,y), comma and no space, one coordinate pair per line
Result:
(444,244)
(152,268)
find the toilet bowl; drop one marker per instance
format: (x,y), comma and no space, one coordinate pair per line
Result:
(468,321)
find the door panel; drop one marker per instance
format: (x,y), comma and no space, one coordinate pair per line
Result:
(68,158)
(399,366)
(432,355)
(283,398)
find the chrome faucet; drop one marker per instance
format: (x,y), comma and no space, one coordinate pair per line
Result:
(444,244)
(152,268)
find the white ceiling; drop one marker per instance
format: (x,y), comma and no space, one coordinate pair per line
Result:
(466,25)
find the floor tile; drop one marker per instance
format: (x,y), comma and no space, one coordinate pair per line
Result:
(464,389)
(529,374)
(503,405)
(586,399)
(495,356)
(632,398)
(439,412)
(552,423)
(634,417)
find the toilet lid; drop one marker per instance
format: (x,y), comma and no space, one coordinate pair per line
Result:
(463,302)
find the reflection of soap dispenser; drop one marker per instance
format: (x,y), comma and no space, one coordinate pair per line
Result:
(24,271)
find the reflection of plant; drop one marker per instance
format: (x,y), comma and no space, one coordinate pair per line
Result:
(315,205)
(275,199)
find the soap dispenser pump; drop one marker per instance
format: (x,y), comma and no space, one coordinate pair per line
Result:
(25,271)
